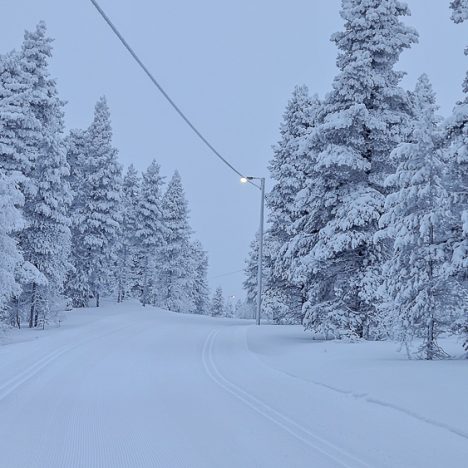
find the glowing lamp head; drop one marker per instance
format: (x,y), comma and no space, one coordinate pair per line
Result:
(244,180)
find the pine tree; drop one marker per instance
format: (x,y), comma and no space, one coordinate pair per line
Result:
(150,231)
(19,137)
(103,202)
(217,303)
(97,222)
(361,121)
(76,144)
(250,283)
(200,290)
(127,269)
(175,272)
(19,127)
(46,239)
(77,286)
(11,221)
(423,299)
(457,142)
(284,299)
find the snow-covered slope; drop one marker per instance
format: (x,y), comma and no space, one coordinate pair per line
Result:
(125,386)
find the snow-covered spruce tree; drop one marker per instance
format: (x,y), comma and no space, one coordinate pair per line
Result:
(19,134)
(77,284)
(217,303)
(97,220)
(284,299)
(175,267)
(11,221)
(127,263)
(200,290)
(457,142)
(250,283)
(150,232)
(250,272)
(46,239)
(367,96)
(19,127)
(275,300)
(361,121)
(281,297)
(424,301)
(76,144)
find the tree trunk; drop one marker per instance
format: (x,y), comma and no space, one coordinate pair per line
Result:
(17,314)
(97,299)
(430,330)
(145,283)
(32,311)
(430,340)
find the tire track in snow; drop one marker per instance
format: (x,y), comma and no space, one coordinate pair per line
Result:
(6,388)
(363,397)
(301,433)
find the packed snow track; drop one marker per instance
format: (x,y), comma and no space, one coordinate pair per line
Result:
(130,387)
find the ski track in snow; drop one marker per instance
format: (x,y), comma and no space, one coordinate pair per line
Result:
(169,390)
(88,445)
(363,397)
(6,388)
(301,433)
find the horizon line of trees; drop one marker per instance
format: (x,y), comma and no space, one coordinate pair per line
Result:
(368,215)
(72,226)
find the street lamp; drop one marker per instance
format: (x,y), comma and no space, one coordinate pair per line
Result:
(244,180)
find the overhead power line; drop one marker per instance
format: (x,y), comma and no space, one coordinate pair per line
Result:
(163,92)
(227,274)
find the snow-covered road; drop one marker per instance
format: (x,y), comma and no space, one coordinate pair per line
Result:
(131,387)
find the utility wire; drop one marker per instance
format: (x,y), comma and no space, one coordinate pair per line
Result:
(164,93)
(226,274)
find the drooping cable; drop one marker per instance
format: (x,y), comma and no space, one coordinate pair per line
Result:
(164,93)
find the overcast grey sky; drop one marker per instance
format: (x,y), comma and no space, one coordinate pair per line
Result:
(231,65)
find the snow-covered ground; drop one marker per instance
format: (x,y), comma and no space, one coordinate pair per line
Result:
(124,386)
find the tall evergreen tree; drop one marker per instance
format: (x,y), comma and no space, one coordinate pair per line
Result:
(423,299)
(77,285)
(127,270)
(175,273)
(250,283)
(200,290)
(361,121)
(19,126)
(283,298)
(76,144)
(11,221)
(97,223)
(150,231)
(457,142)
(46,239)
(19,135)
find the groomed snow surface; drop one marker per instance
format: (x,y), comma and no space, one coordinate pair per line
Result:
(124,386)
